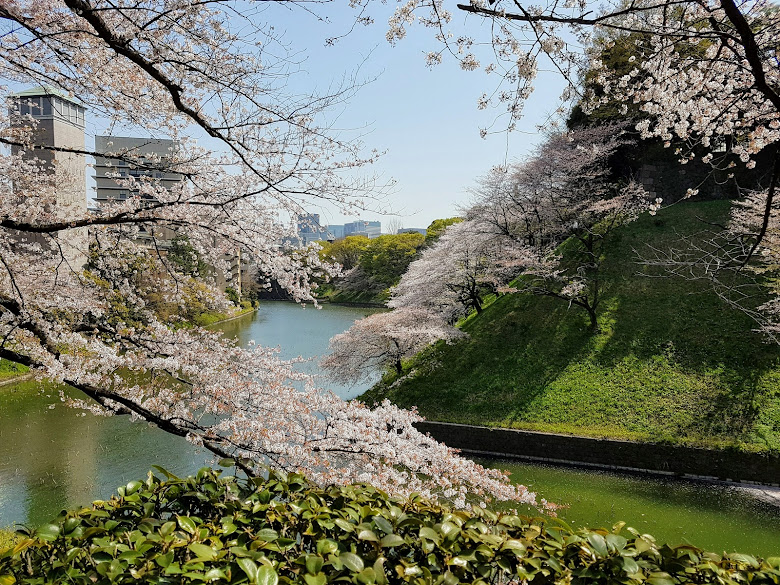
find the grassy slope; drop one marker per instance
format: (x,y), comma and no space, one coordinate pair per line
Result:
(11,369)
(328,293)
(671,361)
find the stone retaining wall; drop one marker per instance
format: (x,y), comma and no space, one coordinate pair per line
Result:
(606,453)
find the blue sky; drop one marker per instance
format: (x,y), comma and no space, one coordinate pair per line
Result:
(426,119)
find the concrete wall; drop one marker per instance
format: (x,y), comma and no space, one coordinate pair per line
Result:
(605,453)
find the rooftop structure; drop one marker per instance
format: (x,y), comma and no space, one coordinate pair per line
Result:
(57,122)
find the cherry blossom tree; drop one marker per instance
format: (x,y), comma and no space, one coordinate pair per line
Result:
(705,77)
(452,276)
(182,69)
(555,211)
(384,340)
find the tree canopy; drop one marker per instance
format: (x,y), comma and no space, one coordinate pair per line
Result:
(184,70)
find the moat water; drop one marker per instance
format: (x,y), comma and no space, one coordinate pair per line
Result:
(53,457)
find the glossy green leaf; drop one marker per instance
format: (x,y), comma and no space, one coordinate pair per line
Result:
(326,546)
(391,540)
(267,576)
(203,551)
(598,543)
(48,532)
(186,523)
(351,561)
(630,566)
(368,535)
(267,534)
(318,579)
(367,576)
(383,524)
(314,564)
(249,567)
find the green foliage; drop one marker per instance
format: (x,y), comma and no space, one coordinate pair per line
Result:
(387,257)
(345,252)
(376,264)
(185,258)
(437,227)
(282,530)
(670,362)
(7,539)
(232,295)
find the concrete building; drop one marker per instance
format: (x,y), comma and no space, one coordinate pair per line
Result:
(335,232)
(59,123)
(310,230)
(152,155)
(370,229)
(422,231)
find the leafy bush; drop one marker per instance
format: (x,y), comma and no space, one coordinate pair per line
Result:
(232,295)
(282,530)
(7,538)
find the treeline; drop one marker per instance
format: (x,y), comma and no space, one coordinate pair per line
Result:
(371,267)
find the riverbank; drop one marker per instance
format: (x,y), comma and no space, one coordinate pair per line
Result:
(15,379)
(730,466)
(670,362)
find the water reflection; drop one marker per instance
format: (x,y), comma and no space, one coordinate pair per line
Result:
(53,457)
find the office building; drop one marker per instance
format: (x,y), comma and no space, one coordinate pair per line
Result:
(58,122)
(143,159)
(310,230)
(369,229)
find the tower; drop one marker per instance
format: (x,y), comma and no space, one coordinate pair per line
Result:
(58,124)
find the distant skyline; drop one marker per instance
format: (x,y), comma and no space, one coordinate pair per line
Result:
(425,119)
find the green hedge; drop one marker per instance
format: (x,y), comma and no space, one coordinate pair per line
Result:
(282,530)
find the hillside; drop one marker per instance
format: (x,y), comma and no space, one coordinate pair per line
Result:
(670,362)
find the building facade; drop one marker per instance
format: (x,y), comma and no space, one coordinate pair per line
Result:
(57,122)
(369,229)
(152,156)
(310,230)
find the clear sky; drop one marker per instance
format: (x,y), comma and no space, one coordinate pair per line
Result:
(426,119)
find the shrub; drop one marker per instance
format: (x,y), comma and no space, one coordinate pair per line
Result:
(282,530)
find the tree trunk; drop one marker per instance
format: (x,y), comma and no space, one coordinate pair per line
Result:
(592,314)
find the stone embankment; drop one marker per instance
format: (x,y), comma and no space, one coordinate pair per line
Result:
(654,458)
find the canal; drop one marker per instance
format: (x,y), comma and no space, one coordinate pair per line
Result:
(52,457)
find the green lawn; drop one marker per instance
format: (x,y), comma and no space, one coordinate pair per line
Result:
(11,369)
(671,361)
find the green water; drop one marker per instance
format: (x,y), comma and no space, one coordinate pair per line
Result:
(52,457)
(711,516)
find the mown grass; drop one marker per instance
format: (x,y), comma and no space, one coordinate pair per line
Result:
(10,369)
(348,297)
(207,318)
(671,362)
